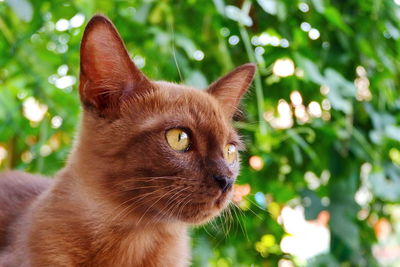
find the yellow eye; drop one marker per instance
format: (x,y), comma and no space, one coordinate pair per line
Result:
(230,153)
(177,139)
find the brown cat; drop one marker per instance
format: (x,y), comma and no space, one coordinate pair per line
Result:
(151,158)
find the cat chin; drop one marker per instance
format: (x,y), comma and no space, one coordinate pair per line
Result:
(206,212)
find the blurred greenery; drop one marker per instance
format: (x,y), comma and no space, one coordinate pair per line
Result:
(321,123)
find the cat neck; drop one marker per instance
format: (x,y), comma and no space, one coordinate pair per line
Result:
(105,233)
(118,240)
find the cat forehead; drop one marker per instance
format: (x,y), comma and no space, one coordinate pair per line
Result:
(177,104)
(195,101)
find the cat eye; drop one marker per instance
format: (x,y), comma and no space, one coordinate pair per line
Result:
(178,139)
(230,153)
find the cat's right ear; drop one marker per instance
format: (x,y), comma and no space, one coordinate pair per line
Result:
(108,74)
(229,89)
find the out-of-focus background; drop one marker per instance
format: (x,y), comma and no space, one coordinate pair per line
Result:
(320,183)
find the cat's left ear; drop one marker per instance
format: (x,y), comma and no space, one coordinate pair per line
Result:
(229,89)
(108,75)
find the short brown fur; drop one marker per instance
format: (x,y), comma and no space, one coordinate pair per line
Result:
(125,198)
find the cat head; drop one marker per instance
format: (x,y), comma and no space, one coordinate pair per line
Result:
(154,149)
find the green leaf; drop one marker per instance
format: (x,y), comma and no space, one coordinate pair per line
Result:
(269,6)
(387,189)
(197,80)
(311,70)
(236,14)
(334,17)
(22,8)
(319,5)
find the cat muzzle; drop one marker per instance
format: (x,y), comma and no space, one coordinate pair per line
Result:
(224,182)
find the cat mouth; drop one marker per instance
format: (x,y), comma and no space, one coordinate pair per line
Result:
(222,199)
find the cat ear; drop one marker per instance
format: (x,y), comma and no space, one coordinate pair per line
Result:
(230,88)
(107,75)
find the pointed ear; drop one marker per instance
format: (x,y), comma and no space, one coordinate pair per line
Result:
(107,75)
(229,89)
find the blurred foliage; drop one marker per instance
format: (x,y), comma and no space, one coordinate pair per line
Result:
(343,158)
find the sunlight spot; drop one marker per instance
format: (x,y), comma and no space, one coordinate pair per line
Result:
(299,73)
(296,98)
(313,182)
(240,191)
(45,150)
(306,239)
(314,109)
(27,157)
(52,78)
(397,2)
(256,163)
(303,7)
(325,201)
(65,81)
(77,20)
(326,116)
(62,48)
(363,214)
(283,107)
(326,105)
(275,41)
(62,25)
(225,32)
(313,34)
(363,196)
(3,153)
(362,84)
(361,71)
(283,67)
(63,38)
(33,110)
(325,176)
(264,39)
(254,40)
(234,40)
(324,89)
(285,263)
(301,113)
(56,122)
(284,120)
(62,70)
(140,61)
(305,26)
(259,50)
(284,43)
(198,55)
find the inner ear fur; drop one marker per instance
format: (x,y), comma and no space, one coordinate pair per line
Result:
(229,89)
(107,73)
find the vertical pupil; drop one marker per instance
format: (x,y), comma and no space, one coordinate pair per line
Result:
(181,136)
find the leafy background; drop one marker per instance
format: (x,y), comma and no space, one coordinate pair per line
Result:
(321,123)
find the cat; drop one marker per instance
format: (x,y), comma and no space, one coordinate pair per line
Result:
(151,159)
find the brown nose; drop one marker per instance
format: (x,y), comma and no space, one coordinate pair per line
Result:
(224,182)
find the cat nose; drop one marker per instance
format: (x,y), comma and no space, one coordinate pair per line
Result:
(224,182)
